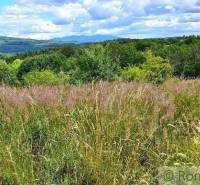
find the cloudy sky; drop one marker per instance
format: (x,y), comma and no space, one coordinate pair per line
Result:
(44,19)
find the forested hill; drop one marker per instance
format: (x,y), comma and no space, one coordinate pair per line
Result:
(10,45)
(87,39)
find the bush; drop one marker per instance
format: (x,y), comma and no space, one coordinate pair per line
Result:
(46,77)
(159,73)
(155,70)
(134,73)
(7,76)
(55,62)
(15,65)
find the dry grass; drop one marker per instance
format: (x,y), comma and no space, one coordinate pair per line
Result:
(69,95)
(104,133)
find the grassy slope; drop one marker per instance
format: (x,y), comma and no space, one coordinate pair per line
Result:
(97,134)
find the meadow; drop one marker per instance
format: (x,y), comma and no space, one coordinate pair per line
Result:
(104,133)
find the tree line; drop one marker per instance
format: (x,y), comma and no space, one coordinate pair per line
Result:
(150,60)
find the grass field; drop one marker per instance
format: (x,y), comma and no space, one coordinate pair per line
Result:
(106,133)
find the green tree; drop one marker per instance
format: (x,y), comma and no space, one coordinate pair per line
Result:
(15,65)
(7,76)
(95,64)
(125,55)
(56,62)
(70,51)
(155,70)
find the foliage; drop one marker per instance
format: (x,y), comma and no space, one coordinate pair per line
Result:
(70,51)
(15,65)
(125,55)
(151,60)
(95,64)
(134,73)
(46,77)
(55,62)
(7,75)
(155,70)
(186,60)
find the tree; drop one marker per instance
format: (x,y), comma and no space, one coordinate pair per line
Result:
(95,64)
(15,65)
(7,76)
(70,51)
(56,62)
(125,55)
(155,70)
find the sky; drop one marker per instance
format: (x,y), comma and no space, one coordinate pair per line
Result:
(46,19)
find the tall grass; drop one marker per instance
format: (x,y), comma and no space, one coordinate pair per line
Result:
(105,134)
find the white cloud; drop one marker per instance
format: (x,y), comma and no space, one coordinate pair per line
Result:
(161,22)
(45,19)
(72,12)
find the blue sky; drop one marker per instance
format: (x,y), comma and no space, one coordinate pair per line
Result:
(6,2)
(45,19)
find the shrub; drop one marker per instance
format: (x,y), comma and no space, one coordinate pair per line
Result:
(155,70)
(15,65)
(55,62)
(46,77)
(7,76)
(134,73)
(158,73)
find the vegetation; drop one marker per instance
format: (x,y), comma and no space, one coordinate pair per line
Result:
(105,133)
(150,60)
(155,70)
(108,113)
(46,77)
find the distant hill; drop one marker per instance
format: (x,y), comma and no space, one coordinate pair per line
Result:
(87,39)
(10,45)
